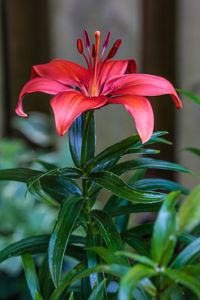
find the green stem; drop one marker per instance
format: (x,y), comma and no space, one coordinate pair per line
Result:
(90,239)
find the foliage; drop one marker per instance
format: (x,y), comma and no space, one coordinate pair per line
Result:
(99,247)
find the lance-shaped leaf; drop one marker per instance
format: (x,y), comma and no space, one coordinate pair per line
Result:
(159,184)
(36,245)
(183,277)
(82,138)
(134,209)
(75,139)
(147,163)
(52,188)
(117,186)
(79,272)
(116,151)
(31,276)
(67,278)
(19,174)
(165,230)
(109,232)
(67,217)
(44,277)
(132,278)
(190,211)
(33,245)
(98,291)
(187,255)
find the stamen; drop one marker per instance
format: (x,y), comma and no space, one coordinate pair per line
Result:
(117,44)
(80,46)
(93,51)
(105,44)
(87,39)
(107,39)
(114,49)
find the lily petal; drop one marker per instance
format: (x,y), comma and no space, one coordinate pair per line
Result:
(112,68)
(142,85)
(141,111)
(43,85)
(68,106)
(64,71)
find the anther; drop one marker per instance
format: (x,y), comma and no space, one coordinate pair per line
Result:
(114,49)
(117,44)
(80,46)
(106,41)
(87,39)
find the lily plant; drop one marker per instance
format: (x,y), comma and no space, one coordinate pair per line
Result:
(97,248)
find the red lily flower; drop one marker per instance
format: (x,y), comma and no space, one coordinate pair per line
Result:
(77,89)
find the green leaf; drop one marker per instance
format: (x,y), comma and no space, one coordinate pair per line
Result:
(140,245)
(98,291)
(187,255)
(45,281)
(116,270)
(108,231)
(82,138)
(78,273)
(92,240)
(68,215)
(165,230)
(193,150)
(159,184)
(106,254)
(130,281)
(31,276)
(139,258)
(138,238)
(52,188)
(134,208)
(34,245)
(180,276)
(18,174)
(118,150)
(34,187)
(67,278)
(190,210)
(191,96)
(112,152)
(147,163)
(75,139)
(88,141)
(186,238)
(118,187)
(145,151)
(71,297)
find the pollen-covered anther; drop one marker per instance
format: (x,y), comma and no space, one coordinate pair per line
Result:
(80,46)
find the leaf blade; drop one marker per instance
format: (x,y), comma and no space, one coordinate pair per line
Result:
(67,217)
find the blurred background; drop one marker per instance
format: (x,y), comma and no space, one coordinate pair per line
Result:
(163,37)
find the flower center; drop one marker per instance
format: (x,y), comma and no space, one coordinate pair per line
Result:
(94,62)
